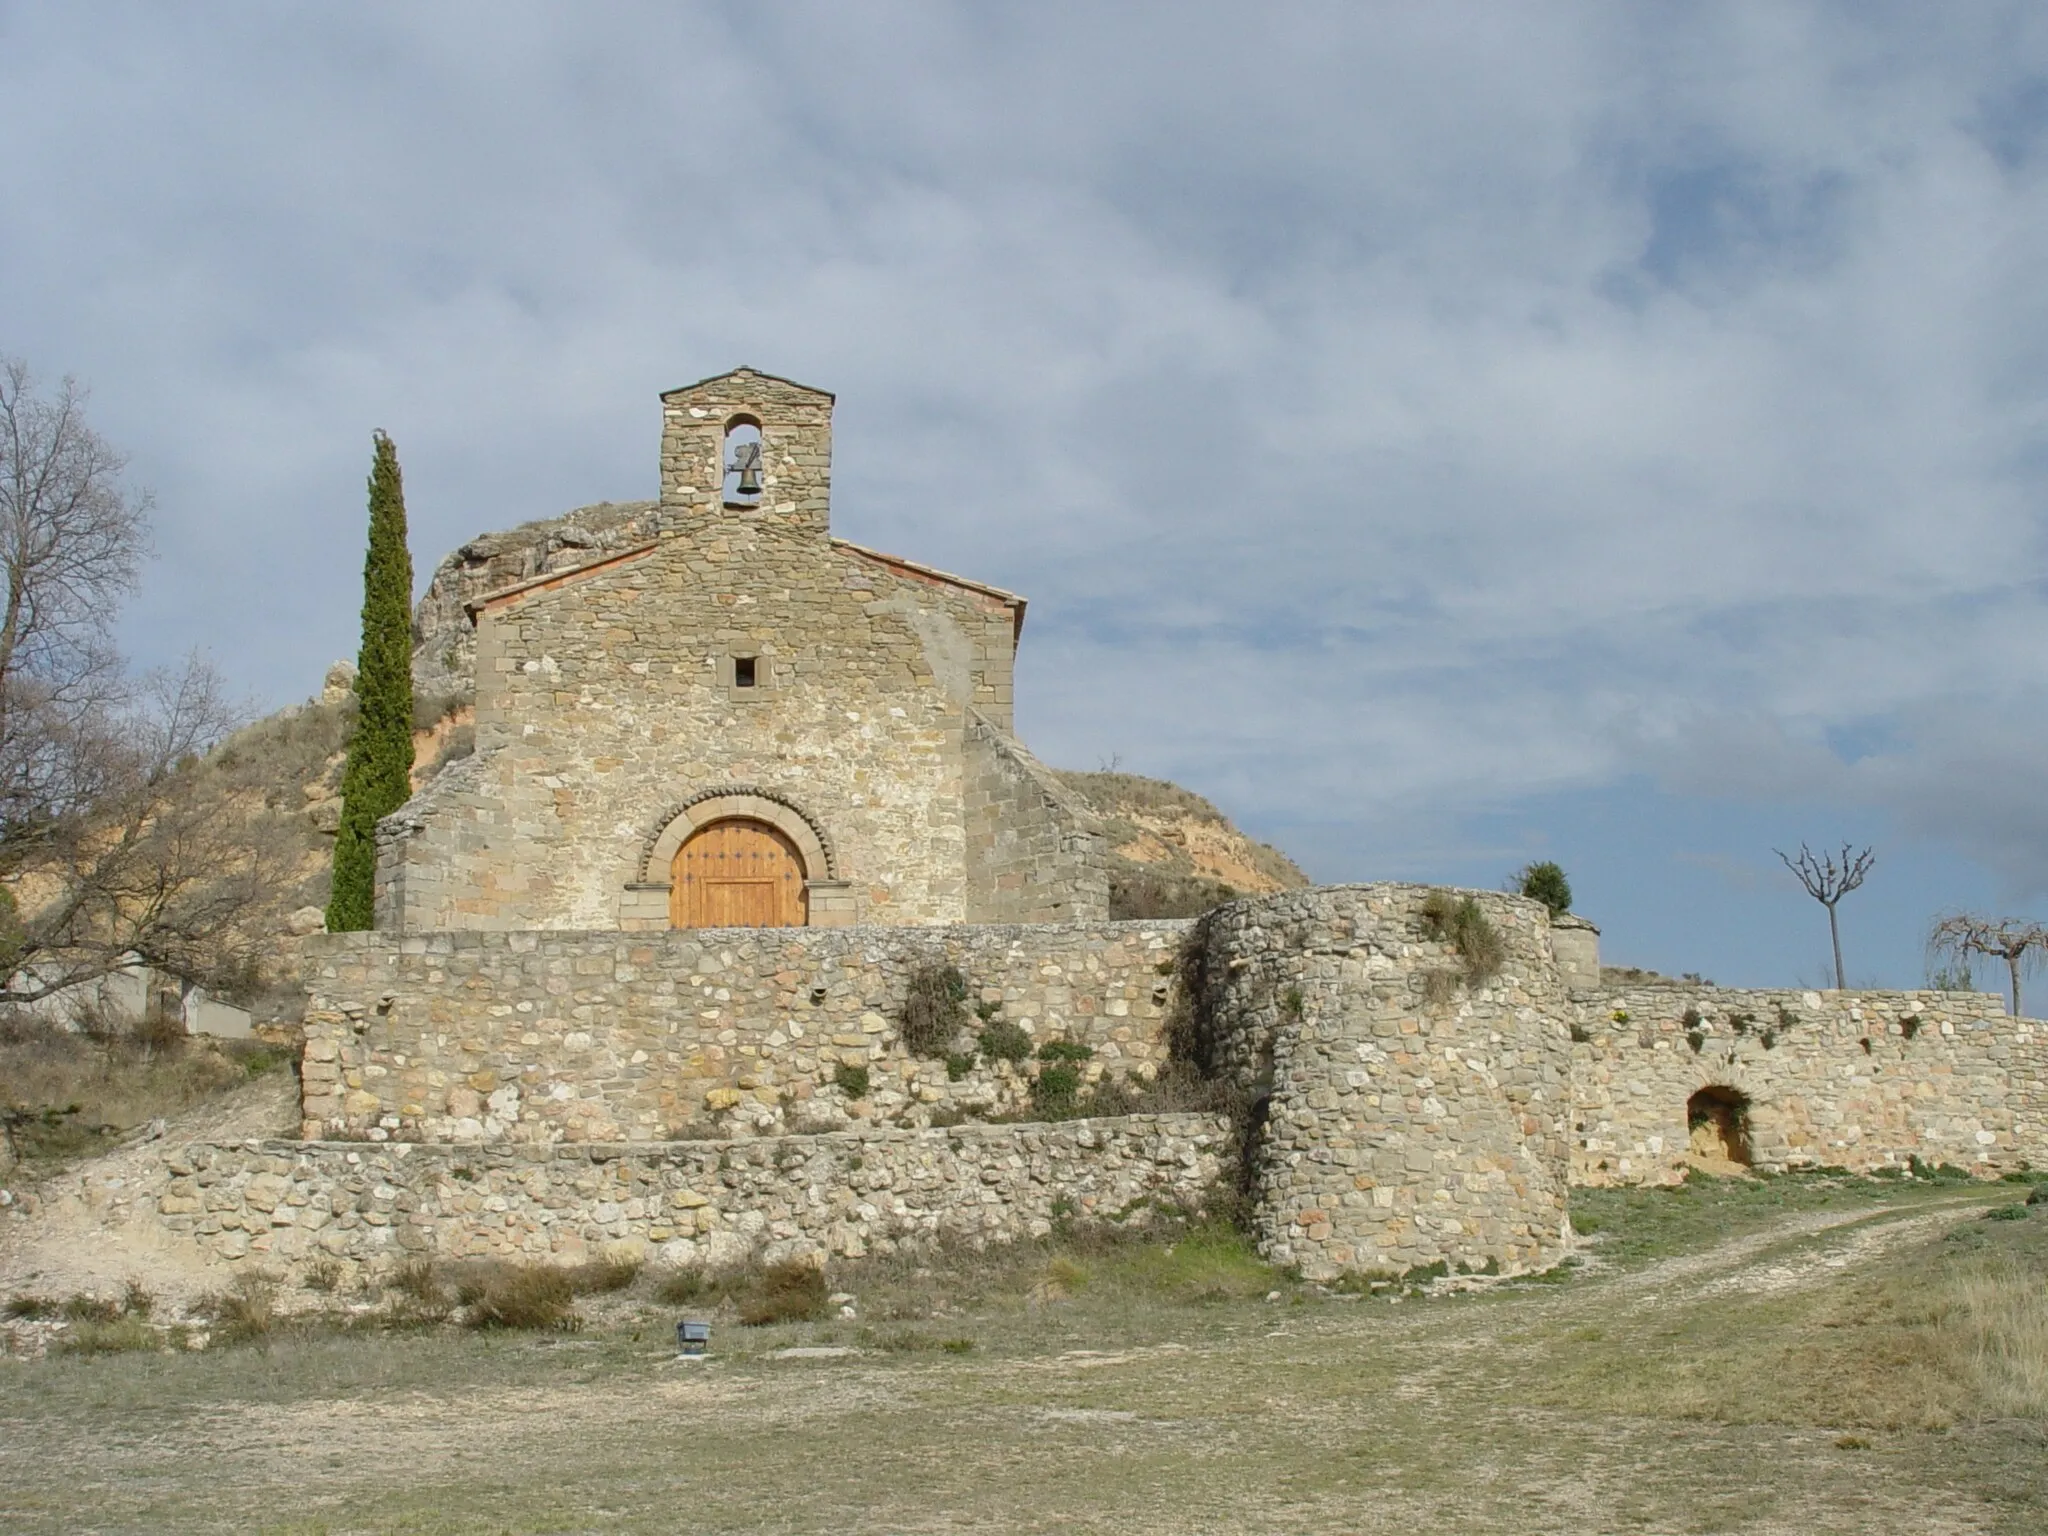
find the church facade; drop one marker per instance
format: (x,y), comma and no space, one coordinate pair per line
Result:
(742,722)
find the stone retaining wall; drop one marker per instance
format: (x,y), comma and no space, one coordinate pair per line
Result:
(1858,1080)
(283,1206)
(543,1036)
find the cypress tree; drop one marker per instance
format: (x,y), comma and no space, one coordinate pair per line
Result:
(378,777)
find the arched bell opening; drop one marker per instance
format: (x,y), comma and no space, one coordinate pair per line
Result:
(738,872)
(1717,1126)
(743,462)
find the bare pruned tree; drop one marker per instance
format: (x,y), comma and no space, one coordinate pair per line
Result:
(2017,941)
(71,542)
(1827,880)
(118,839)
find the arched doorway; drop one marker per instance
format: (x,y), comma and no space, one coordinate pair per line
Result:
(1717,1126)
(737,873)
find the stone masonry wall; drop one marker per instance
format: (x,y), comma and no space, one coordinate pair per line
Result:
(602,705)
(1034,847)
(542,1037)
(608,696)
(1407,1122)
(282,1206)
(1858,1080)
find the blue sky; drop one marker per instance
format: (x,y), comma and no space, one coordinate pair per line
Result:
(1445,435)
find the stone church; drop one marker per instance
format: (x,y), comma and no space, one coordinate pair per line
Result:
(742,721)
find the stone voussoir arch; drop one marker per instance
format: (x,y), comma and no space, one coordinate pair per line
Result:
(730,802)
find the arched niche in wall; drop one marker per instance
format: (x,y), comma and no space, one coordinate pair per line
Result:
(1717,1126)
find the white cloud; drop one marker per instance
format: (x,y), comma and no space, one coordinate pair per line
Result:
(1387,407)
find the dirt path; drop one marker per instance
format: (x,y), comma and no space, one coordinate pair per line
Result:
(1751,1264)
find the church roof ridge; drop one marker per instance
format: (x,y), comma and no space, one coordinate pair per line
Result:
(933,573)
(758,373)
(546,579)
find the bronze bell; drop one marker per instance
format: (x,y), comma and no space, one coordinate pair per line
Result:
(746,460)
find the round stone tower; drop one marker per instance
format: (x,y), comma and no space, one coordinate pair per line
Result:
(1403,1052)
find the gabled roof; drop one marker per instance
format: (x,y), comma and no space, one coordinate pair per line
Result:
(933,574)
(896,563)
(552,579)
(757,373)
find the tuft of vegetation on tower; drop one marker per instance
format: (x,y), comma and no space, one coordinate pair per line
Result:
(1545,882)
(378,777)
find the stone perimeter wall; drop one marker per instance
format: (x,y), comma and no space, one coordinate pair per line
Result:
(1410,1121)
(1859,1080)
(1402,1116)
(543,1036)
(286,1205)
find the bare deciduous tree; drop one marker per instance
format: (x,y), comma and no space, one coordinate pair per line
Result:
(118,839)
(1827,880)
(2016,941)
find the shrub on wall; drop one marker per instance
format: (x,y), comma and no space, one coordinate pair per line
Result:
(1056,1091)
(1459,922)
(851,1081)
(1545,882)
(1065,1051)
(1003,1041)
(934,1011)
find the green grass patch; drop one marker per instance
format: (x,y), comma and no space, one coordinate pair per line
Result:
(1643,1222)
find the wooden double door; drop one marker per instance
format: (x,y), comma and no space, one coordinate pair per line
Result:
(737,874)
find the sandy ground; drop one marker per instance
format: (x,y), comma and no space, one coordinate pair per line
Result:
(78,1230)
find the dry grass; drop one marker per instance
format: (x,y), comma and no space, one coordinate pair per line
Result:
(601,1277)
(1460,922)
(1992,1326)
(118,1082)
(793,1292)
(124,1335)
(246,1313)
(534,1297)
(1099,1382)
(1951,1330)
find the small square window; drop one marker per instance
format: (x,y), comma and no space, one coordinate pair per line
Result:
(743,671)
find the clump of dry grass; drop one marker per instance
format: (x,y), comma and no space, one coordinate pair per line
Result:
(1178,1088)
(120,1336)
(246,1313)
(418,1294)
(602,1276)
(537,1297)
(790,1292)
(1460,922)
(1992,1328)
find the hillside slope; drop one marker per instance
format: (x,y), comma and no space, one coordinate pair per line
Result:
(1173,853)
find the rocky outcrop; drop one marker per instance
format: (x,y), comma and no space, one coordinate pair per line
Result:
(444,639)
(1171,853)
